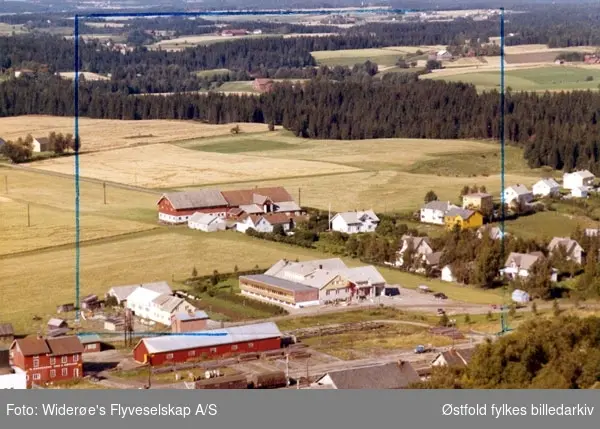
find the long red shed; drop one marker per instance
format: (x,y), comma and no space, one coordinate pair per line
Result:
(178,348)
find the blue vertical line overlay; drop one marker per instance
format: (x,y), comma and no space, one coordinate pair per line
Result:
(504,321)
(76,133)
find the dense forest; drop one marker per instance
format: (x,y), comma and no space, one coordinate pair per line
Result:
(556,129)
(562,353)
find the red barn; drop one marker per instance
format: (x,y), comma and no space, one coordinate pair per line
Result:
(178,348)
(46,360)
(178,207)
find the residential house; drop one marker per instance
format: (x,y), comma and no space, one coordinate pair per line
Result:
(479,201)
(573,251)
(581,192)
(546,188)
(578,179)
(355,222)
(443,55)
(191,321)
(520,264)
(464,219)
(121,293)
(518,194)
(435,211)
(420,245)
(300,284)
(431,262)
(48,359)
(7,333)
(394,375)
(206,222)
(458,358)
(11,377)
(41,144)
(266,222)
(262,85)
(493,232)
(57,324)
(592,232)
(155,306)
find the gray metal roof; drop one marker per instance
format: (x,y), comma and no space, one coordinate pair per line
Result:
(123,292)
(519,189)
(522,260)
(438,205)
(278,282)
(89,338)
(463,213)
(211,338)
(202,198)
(551,183)
(168,303)
(203,218)
(394,375)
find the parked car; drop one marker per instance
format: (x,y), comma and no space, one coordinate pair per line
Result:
(441,311)
(440,295)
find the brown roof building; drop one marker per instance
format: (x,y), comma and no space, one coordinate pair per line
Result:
(454,358)
(7,333)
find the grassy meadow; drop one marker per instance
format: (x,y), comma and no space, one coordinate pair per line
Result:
(546,78)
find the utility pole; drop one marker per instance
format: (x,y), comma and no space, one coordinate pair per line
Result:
(287,369)
(5,184)
(300,197)
(28,216)
(104,191)
(329,219)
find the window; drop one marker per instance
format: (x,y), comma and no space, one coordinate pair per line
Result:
(92,346)
(64,372)
(213,350)
(234,347)
(52,361)
(36,361)
(52,373)
(170,356)
(37,376)
(328,292)
(250,345)
(64,359)
(192,353)
(75,358)
(76,372)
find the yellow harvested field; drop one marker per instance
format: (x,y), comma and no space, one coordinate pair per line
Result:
(526,49)
(51,227)
(190,40)
(104,134)
(163,165)
(85,75)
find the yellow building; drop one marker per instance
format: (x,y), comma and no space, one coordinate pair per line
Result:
(465,219)
(479,201)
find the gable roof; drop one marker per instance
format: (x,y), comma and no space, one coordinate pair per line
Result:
(438,205)
(246,196)
(278,282)
(202,198)
(361,275)
(56,322)
(203,218)
(395,375)
(187,316)
(416,241)
(31,346)
(357,217)
(518,189)
(568,243)
(457,211)
(213,337)
(168,303)
(523,260)
(433,259)
(457,358)
(6,329)
(549,182)
(584,174)
(123,292)
(143,295)
(42,140)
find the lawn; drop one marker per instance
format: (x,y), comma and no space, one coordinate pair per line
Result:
(547,225)
(212,72)
(105,134)
(240,145)
(237,86)
(551,78)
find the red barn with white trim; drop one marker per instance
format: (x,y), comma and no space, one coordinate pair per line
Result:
(190,346)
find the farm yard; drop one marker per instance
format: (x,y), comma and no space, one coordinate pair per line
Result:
(383,56)
(103,134)
(546,78)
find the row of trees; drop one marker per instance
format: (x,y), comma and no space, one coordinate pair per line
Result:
(560,353)
(21,150)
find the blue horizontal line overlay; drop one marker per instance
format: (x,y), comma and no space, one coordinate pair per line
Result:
(155,334)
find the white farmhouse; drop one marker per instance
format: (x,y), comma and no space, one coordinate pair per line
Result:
(518,193)
(265,223)
(355,222)
(434,212)
(206,222)
(546,188)
(12,377)
(421,246)
(578,179)
(520,264)
(151,305)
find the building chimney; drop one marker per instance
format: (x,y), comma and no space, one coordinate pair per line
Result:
(39,335)
(320,266)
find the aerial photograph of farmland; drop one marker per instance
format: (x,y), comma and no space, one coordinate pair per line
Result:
(333,191)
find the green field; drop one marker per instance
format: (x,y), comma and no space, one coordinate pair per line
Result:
(227,145)
(236,86)
(212,72)
(550,78)
(547,225)
(8,29)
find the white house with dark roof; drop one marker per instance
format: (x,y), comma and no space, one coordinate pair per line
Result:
(520,264)
(518,193)
(578,179)
(573,250)
(492,232)
(580,192)
(355,222)
(394,375)
(421,245)
(546,188)
(435,211)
